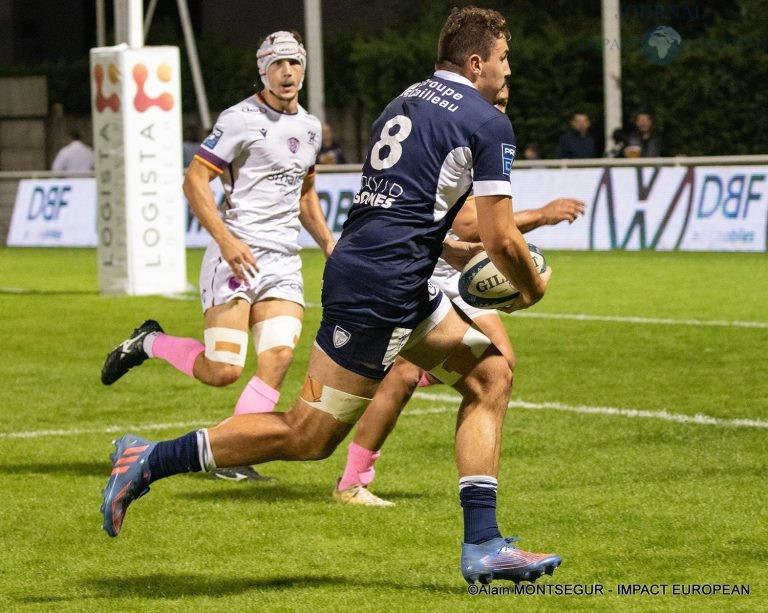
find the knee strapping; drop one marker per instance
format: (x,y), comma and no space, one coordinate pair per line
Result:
(345,407)
(226,345)
(459,363)
(280,331)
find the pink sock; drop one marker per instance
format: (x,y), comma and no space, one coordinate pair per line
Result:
(424,381)
(179,352)
(257,397)
(359,469)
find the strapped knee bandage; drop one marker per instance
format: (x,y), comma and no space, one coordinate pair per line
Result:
(280,331)
(347,408)
(226,345)
(477,342)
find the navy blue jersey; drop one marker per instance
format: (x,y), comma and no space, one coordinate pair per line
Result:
(434,143)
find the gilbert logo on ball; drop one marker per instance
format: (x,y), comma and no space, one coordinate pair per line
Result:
(481,284)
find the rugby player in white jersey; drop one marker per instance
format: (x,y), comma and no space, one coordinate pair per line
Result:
(398,386)
(433,143)
(263,149)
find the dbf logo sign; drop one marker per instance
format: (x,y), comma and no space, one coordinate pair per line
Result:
(644,216)
(158,81)
(106,78)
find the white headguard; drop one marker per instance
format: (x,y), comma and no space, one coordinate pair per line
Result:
(280,46)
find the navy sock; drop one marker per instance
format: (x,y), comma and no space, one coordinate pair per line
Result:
(181,455)
(478,499)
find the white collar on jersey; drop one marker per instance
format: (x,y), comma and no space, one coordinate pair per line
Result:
(453,76)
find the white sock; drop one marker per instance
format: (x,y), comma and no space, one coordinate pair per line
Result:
(148,341)
(204,451)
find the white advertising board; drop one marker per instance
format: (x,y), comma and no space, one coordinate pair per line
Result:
(54,213)
(705,208)
(334,190)
(136,109)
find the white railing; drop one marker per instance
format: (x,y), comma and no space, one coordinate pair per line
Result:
(678,160)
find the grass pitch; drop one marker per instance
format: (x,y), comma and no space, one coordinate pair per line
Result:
(635,448)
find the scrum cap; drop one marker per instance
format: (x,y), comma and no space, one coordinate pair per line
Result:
(280,46)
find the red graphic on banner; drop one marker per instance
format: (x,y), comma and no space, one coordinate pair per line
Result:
(142,101)
(113,100)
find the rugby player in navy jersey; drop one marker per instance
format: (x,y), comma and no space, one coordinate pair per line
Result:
(430,146)
(398,386)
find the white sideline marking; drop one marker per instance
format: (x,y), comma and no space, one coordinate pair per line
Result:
(628,319)
(723,323)
(644,320)
(700,420)
(104,430)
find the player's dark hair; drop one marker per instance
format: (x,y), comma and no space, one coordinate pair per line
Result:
(469,30)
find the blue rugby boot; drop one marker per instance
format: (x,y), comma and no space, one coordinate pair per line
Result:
(128,354)
(129,480)
(498,559)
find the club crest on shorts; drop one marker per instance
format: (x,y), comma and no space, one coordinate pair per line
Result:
(234,283)
(293,144)
(432,290)
(340,337)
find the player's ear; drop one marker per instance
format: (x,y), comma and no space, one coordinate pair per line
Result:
(475,63)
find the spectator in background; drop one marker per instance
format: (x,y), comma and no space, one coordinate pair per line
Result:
(75,156)
(532,151)
(330,151)
(643,142)
(578,142)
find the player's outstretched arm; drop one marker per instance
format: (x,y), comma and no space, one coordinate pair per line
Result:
(552,213)
(508,250)
(312,218)
(198,191)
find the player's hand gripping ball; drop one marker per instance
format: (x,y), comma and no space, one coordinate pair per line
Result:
(481,284)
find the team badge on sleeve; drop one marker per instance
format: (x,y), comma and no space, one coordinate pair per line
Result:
(507,157)
(213,138)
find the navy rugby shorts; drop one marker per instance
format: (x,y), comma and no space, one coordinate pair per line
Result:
(362,329)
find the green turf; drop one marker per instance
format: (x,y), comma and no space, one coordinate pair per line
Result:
(624,500)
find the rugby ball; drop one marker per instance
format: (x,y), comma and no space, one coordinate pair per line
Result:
(481,284)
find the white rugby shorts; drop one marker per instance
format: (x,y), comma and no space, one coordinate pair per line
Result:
(446,278)
(279,276)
